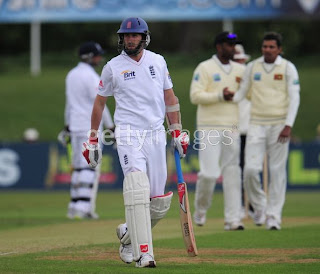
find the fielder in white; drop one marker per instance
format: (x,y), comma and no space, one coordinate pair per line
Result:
(272,84)
(141,85)
(218,137)
(81,89)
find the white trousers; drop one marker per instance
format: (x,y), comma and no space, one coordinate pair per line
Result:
(261,140)
(219,153)
(146,154)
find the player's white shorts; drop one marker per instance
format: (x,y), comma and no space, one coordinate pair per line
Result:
(147,153)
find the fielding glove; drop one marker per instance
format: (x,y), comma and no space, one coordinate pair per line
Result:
(180,141)
(91,151)
(64,137)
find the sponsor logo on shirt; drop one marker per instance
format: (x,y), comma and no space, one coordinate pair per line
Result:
(238,79)
(278,77)
(196,77)
(296,82)
(152,72)
(257,76)
(128,75)
(216,77)
(169,77)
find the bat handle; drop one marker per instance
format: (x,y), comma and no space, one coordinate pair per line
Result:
(178,166)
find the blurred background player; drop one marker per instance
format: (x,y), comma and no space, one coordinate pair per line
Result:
(219,144)
(272,84)
(141,85)
(81,89)
(244,116)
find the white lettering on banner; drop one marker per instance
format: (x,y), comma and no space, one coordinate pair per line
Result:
(9,169)
(308,6)
(17,5)
(85,4)
(53,4)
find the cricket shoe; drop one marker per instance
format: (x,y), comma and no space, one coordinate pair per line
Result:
(272,224)
(233,226)
(199,219)
(125,250)
(146,260)
(259,217)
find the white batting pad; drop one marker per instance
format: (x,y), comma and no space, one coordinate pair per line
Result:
(159,206)
(136,194)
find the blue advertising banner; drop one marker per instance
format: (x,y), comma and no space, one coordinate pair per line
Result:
(14,11)
(46,166)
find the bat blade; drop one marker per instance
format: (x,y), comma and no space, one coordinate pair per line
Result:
(186,221)
(185,214)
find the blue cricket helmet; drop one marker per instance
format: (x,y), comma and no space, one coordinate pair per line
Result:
(133,25)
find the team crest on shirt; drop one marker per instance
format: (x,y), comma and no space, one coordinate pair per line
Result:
(152,72)
(216,77)
(296,82)
(257,76)
(278,77)
(128,74)
(238,79)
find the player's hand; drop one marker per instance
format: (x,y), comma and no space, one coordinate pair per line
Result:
(180,141)
(64,137)
(227,94)
(91,151)
(284,135)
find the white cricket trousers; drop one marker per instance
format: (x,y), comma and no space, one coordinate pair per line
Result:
(219,153)
(263,139)
(145,152)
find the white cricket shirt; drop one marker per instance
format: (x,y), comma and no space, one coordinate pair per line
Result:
(138,89)
(81,90)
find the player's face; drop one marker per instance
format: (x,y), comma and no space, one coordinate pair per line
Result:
(270,50)
(227,50)
(132,40)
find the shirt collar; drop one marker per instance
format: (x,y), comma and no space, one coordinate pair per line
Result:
(276,62)
(218,61)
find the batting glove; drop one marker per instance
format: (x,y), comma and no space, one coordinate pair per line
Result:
(91,151)
(180,141)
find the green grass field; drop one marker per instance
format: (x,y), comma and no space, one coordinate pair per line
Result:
(39,101)
(36,237)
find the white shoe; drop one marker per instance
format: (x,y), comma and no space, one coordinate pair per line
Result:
(272,224)
(146,260)
(234,226)
(125,250)
(199,219)
(70,213)
(259,217)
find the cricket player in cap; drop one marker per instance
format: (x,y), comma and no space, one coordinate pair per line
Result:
(81,89)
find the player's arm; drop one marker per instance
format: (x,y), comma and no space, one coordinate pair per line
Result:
(96,116)
(294,101)
(180,139)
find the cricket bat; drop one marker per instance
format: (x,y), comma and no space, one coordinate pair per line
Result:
(185,214)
